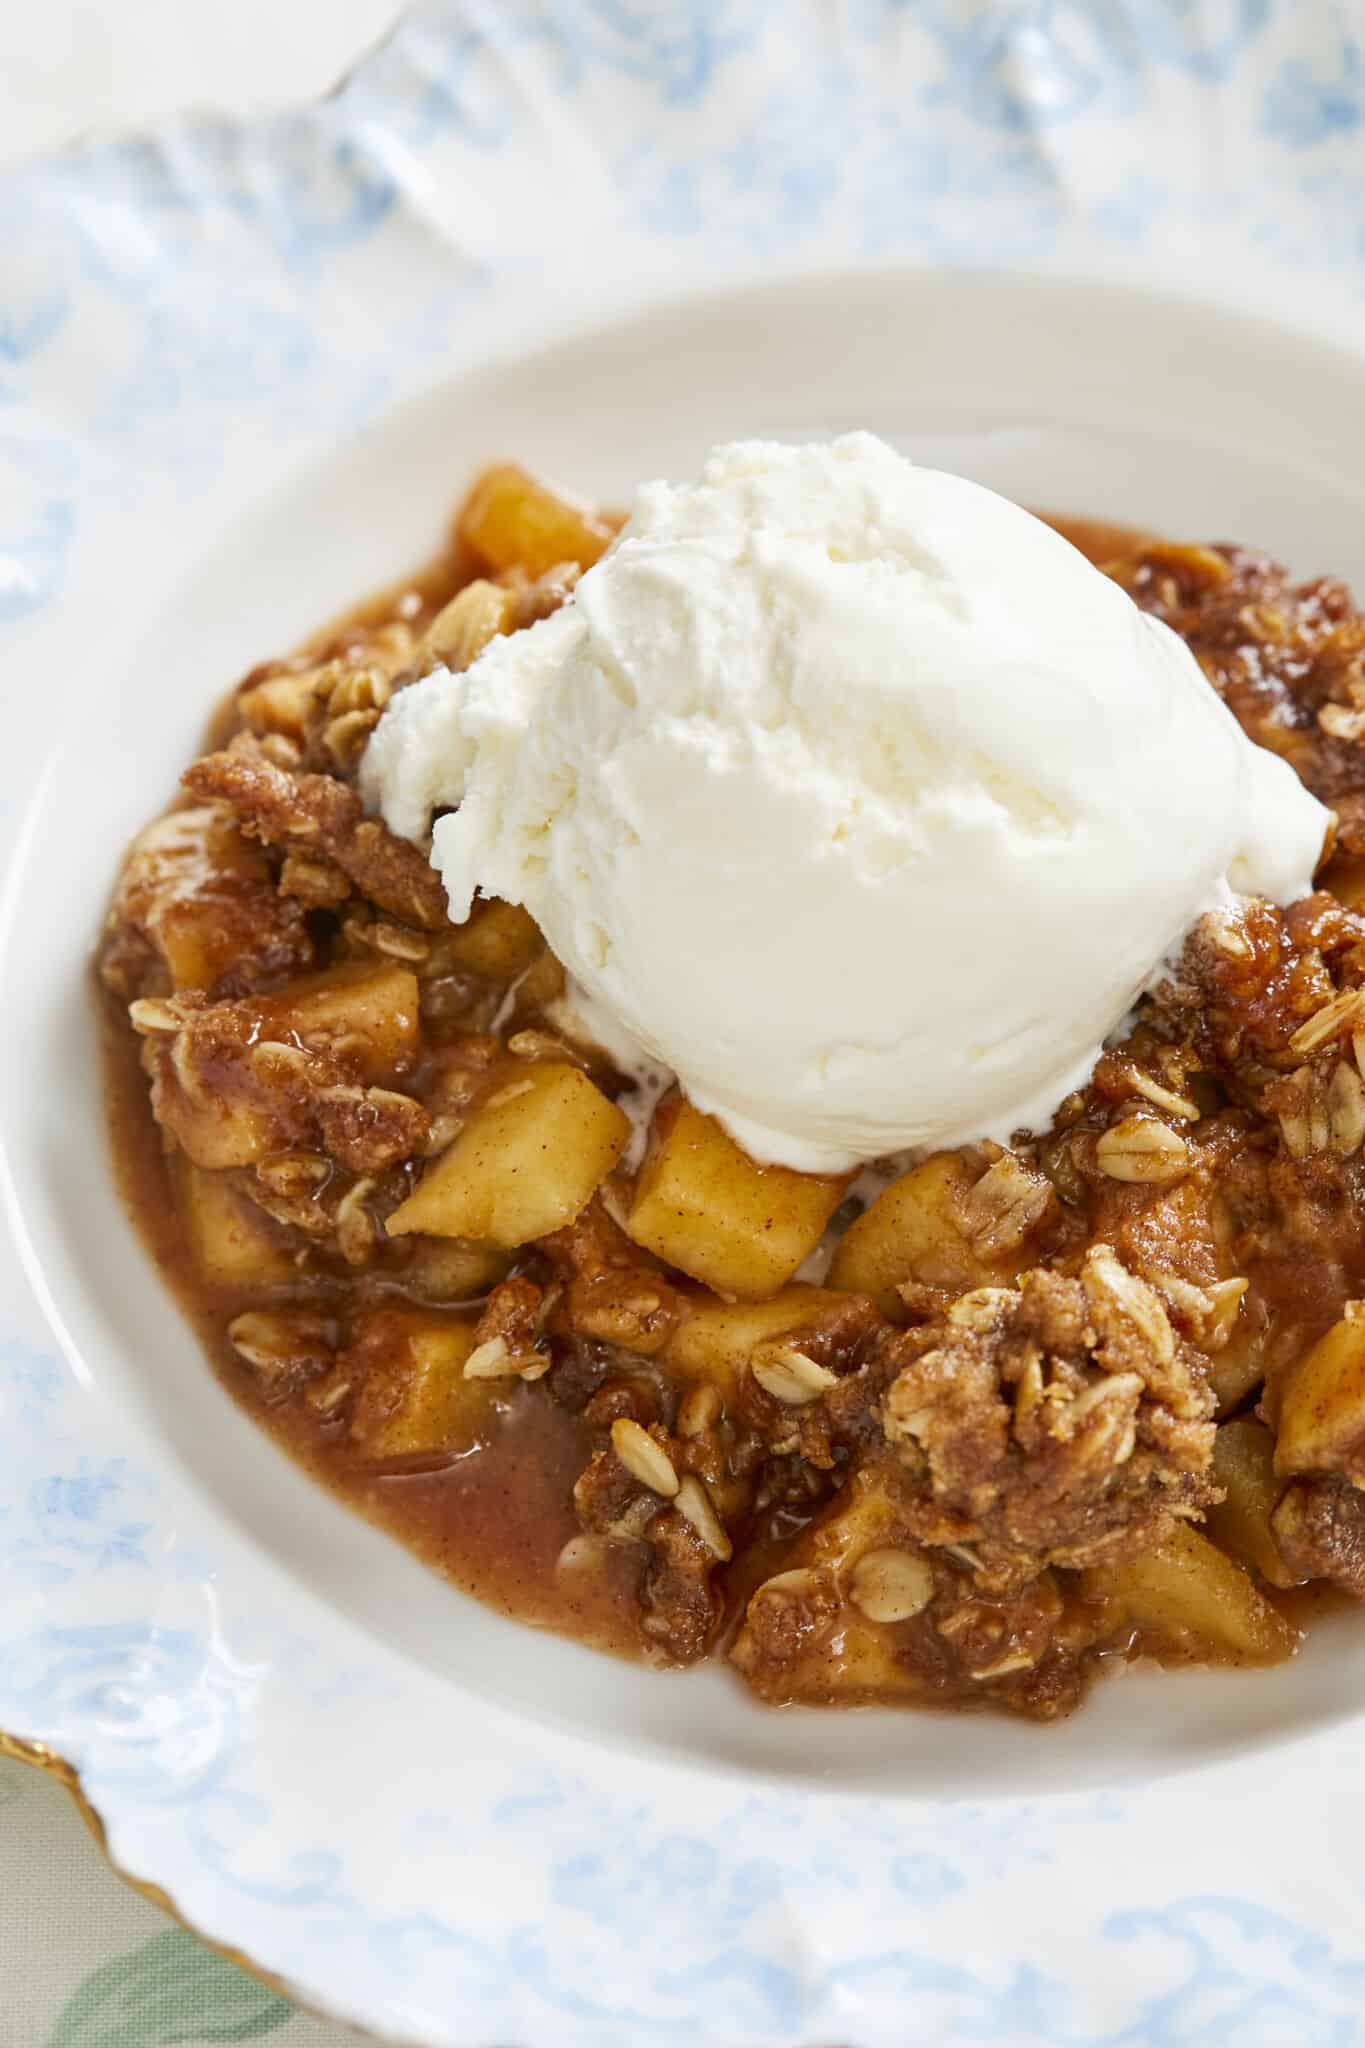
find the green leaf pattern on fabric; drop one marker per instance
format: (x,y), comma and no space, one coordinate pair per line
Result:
(171,1990)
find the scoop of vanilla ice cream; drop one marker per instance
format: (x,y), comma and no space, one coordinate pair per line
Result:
(853,793)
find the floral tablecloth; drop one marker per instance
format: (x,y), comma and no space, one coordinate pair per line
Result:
(86,1963)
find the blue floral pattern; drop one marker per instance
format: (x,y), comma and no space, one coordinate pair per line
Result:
(77,1524)
(1308,103)
(533,1888)
(1032,64)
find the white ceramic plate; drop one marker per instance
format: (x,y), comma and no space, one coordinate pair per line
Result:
(1111,262)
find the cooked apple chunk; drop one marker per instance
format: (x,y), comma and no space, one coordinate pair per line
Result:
(791,1651)
(1239,1367)
(945,1223)
(1194,1604)
(815,1629)
(1241,1523)
(231,1094)
(715,1340)
(196,902)
(530,1158)
(413,1399)
(708,1209)
(1322,1410)
(499,941)
(367,1015)
(231,1241)
(513,521)
(451,1268)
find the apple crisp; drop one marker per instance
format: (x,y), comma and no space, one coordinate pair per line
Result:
(955,1432)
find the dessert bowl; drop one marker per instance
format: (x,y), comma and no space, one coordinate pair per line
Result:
(416,1813)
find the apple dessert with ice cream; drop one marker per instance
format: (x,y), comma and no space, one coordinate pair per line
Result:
(778,1079)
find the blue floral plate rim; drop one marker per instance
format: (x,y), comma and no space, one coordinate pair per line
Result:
(709,142)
